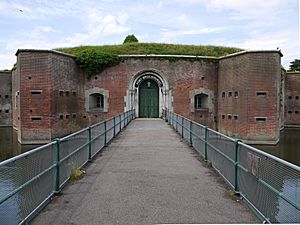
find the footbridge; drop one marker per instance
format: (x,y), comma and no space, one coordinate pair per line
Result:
(148,171)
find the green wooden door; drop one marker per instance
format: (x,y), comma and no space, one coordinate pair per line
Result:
(148,99)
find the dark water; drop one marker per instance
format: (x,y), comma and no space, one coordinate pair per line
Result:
(288,147)
(9,145)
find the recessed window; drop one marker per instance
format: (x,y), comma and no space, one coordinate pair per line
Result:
(67,116)
(290,97)
(297,97)
(96,116)
(74,93)
(289,112)
(96,101)
(6,96)
(96,77)
(61,117)
(202,78)
(36,92)
(296,112)
(223,117)
(235,117)
(67,93)
(260,119)
(0,96)
(200,101)
(261,93)
(6,110)
(229,116)
(30,110)
(223,94)
(61,93)
(229,94)
(84,117)
(74,115)
(29,78)
(36,118)
(236,94)
(0,110)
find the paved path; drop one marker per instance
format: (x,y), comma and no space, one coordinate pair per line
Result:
(146,176)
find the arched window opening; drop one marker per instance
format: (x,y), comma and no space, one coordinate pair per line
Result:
(96,101)
(201,101)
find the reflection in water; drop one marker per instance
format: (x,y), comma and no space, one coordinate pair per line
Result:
(288,147)
(9,145)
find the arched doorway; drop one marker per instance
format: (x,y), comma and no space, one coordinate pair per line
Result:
(148,99)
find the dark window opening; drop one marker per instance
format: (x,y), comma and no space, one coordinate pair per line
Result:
(84,117)
(6,96)
(67,93)
(223,94)
(96,78)
(261,93)
(202,78)
(29,78)
(61,117)
(236,94)
(235,117)
(290,112)
(297,97)
(61,93)
(96,101)
(201,101)
(0,96)
(223,117)
(6,111)
(36,118)
(36,92)
(67,116)
(96,116)
(290,97)
(260,119)
(296,112)
(0,110)
(74,93)
(229,117)
(30,110)
(74,115)
(229,94)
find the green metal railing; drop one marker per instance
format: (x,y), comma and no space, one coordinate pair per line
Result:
(29,180)
(269,185)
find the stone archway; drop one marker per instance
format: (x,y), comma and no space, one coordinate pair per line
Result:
(164,94)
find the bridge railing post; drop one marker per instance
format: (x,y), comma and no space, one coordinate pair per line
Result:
(176,122)
(120,119)
(57,165)
(105,132)
(205,142)
(191,133)
(90,143)
(237,161)
(182,130)
(114,119)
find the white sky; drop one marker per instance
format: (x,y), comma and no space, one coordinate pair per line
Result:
(248,24)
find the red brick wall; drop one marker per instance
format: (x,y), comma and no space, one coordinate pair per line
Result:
(35,74)
(5,98)
(292,99)
(250,74)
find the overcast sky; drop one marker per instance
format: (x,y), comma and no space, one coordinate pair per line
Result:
(248,24)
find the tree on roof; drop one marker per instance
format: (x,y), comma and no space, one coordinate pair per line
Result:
(295,65)
(130,39)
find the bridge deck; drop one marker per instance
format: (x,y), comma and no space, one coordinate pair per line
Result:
(146,176)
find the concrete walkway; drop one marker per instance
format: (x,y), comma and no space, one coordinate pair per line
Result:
(147,175)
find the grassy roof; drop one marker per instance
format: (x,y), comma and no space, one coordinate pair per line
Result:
(156,48)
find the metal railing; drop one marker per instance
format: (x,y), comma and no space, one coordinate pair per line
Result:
(270,186)
(29,180)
